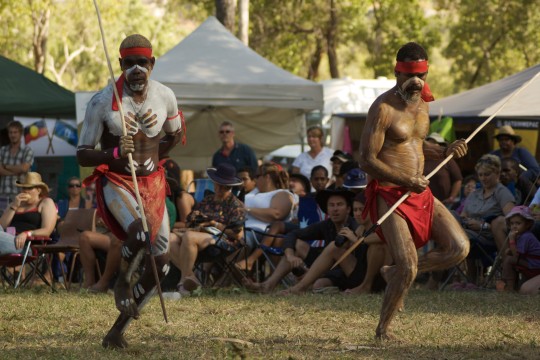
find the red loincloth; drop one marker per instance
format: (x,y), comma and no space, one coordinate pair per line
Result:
(417,209)
(153,189)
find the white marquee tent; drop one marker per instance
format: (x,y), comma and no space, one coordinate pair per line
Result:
(215,77)
(484,100)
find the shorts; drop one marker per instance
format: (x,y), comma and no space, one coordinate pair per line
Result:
(344,282)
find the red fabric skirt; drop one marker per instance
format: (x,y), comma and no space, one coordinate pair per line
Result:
(153,189)
(417,209)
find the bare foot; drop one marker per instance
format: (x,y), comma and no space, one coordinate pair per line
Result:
(123,297)
(359,290)
(97,288)
(243,265)
(114,340)
(254,286)
(385,335)
(191,283)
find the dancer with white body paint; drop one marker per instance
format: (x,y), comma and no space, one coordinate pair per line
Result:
(149,107)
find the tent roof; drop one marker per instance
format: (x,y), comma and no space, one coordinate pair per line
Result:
(212,67)
(485,100)
(24,92)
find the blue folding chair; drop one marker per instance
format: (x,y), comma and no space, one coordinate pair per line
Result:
(202,188)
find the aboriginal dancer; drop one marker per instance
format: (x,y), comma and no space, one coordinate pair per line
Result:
(149,107)
(393,149)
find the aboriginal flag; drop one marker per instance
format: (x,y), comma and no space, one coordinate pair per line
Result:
(66,132)
(34,131)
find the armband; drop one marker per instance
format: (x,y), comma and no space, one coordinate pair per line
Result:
(116,153)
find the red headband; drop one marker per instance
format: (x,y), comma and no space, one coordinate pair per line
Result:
(416,67)
(136,51)
(412,67)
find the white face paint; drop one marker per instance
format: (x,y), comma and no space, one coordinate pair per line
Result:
(408,96)
(136,87)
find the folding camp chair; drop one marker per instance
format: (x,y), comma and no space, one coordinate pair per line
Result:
(202,188)
(223,260)
(75,222)
(28,258)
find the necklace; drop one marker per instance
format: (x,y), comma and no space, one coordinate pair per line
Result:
(138,111)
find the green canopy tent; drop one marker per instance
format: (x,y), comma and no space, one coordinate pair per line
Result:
(23,92)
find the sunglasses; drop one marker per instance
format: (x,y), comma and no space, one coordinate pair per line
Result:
(225,131)
(74,185)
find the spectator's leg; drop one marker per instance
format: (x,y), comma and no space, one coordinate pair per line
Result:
(111,265)
(531,286)
(192,243)
(277,227)
(88,242)
(376,256)
(498,229)
(508,273)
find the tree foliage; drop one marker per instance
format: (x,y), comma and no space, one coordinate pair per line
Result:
(491,39)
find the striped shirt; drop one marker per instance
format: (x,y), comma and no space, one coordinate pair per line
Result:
(24,155)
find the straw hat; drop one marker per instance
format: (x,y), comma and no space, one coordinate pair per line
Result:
(33,179)
(506,130)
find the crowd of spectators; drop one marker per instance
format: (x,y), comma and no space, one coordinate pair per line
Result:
(312,213)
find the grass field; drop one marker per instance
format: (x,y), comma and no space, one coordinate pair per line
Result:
(36,324)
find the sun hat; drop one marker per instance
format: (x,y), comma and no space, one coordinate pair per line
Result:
(323,196)
(341,156)
(304,180)
(355,179)
(33,179)
(507,130)
(224,174)
(521,210)
(437,137)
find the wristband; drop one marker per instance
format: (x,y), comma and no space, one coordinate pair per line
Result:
(116,153)
(29,233)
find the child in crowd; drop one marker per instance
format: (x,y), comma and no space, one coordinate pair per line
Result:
(524,247)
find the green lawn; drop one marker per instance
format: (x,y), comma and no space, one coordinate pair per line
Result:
(36,324)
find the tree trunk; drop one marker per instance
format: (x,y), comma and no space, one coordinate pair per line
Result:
(331,41)
(40,20)
(243,24)
(313,71)
(225,11)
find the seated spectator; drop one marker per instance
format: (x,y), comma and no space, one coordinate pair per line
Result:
(299,255)
(522,243)
(317,154)
(508,148)
(319,178)
(181,205)
(339,158)
(217,211)
(468,186)
(343,170)
(359,273)
(521,187)
(483,214)
(273,203)
(31,213)
(531,286)
(249,183)
(535,210)
(100,240)
(299,185)
(75,200)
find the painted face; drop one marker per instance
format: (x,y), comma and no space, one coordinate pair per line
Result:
(319,180)
(337,208)
(410,85)
(518,224)
(137,69)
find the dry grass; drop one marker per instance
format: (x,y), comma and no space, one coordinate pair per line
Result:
(234,324)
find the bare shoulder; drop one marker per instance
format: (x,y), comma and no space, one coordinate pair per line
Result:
(47,203)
